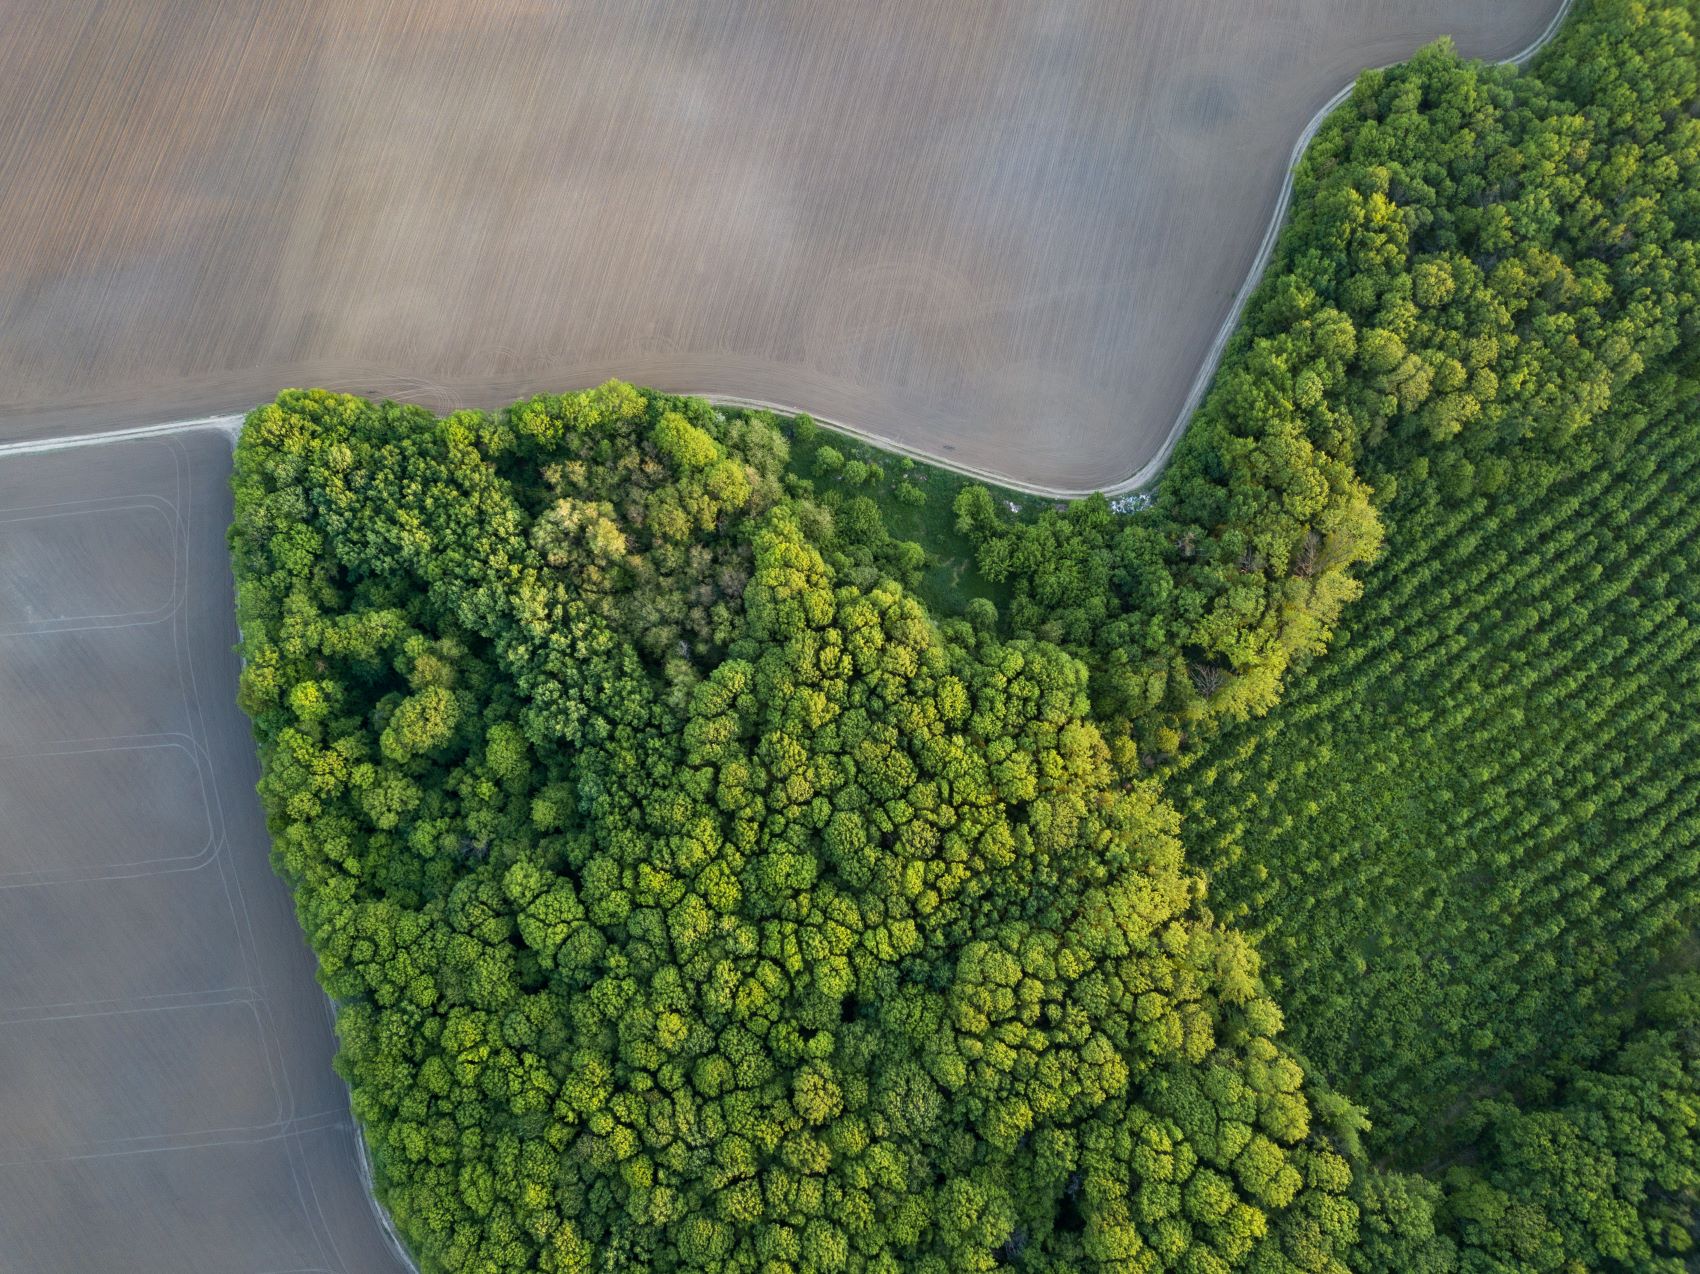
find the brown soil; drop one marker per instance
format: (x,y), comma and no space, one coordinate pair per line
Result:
(1003,233)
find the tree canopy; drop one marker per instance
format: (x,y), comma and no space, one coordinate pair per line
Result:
(691,908)
(711,876)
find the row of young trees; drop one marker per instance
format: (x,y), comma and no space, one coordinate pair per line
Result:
(1472,827)
(1479,262)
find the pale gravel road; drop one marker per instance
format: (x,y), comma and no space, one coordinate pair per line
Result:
(1148,472)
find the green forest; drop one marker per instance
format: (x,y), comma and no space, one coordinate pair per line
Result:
(731,848)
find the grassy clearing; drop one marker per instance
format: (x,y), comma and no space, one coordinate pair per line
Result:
(915,501)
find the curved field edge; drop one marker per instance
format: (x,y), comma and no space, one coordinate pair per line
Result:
(1147,474)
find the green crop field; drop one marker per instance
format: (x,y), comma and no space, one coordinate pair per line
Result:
(1475,826)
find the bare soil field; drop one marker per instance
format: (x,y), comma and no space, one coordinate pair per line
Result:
(168,1102)
(1002,233)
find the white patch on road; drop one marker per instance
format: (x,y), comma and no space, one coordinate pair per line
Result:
(231,425)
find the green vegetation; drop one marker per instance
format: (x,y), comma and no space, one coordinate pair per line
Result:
(691,906)
(1603,1176)
(1470,833)
(1476,823)
(1487,277)
(907,500)
(697,898)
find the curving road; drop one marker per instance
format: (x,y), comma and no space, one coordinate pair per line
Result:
(1148,472)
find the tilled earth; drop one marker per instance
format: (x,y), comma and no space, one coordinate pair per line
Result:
(1002,232)
(168,1102)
